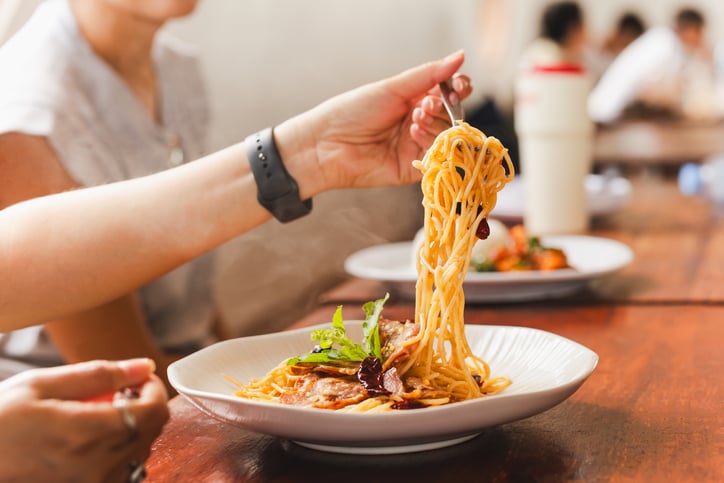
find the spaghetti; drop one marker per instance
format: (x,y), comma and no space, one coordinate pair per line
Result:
(426,362)
(462,174)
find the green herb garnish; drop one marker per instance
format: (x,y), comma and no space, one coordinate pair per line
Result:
(484,266)
(370,327)
(534,244)
(333,345)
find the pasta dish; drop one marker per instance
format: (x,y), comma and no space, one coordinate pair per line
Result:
(425,362)
(515,251)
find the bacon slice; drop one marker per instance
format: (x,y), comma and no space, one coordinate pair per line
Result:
(393,335)
(313,390)
(392,382)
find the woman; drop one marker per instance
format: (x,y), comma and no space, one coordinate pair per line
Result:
(68,252)
(92,92)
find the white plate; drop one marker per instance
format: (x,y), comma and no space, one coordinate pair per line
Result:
(605,195)
(590,257)
(545,370)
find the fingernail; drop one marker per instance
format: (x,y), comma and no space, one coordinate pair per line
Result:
(138,366)
(416,114)
(429,104)
(454,57)
(458,84)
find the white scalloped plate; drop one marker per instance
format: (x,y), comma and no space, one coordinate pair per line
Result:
(545,369)
(590,257)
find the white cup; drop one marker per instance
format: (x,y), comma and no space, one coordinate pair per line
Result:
(555,137)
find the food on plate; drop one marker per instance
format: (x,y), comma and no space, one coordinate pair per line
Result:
(515,250)
(425,362)
(498,239)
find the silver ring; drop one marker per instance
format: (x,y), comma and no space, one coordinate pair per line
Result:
(138,472)
(128,418)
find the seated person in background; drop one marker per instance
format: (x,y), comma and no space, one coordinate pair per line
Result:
(628,28)
(92,92)
(71,251)
(562,39)
(664,71)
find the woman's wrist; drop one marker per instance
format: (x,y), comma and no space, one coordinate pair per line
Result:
(297,145)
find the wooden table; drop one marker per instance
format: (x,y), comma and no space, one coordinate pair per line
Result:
(651,411)
(657,142)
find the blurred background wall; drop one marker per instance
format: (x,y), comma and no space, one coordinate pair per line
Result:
(266,60)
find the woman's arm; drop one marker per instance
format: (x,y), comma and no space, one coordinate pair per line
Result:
(33,169)
(82,248)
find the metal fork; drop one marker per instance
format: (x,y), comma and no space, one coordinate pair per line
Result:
(454,109)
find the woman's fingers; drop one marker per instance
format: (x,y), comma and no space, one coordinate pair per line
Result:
(433,105)
(135,421)
(422,138)
(462,86)
(416,82)
(90,380)
(49,411)
(430,117)
(151,403)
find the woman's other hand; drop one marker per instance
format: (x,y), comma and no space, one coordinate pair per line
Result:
(369,136)
(59,424)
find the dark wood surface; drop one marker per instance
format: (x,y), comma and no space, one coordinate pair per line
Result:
(651,411)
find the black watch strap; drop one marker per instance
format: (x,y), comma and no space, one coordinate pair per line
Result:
(277,191)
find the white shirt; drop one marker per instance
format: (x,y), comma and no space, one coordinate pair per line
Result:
(52,84)
(651,69)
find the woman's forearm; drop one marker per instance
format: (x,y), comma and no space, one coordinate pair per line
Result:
(70,251)
(66,252)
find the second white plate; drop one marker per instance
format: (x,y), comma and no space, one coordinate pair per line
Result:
(590,257)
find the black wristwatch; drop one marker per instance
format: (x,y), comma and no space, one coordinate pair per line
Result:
(277,191)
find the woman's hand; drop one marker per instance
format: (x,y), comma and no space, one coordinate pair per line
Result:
(59,424)
(370,135)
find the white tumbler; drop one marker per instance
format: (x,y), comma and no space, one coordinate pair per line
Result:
(555,137)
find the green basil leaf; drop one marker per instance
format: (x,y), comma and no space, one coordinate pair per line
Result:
(370,329)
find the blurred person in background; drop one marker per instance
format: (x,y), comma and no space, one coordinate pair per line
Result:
(562,38)
(66,252)
(91,92)
(666,71)
(628,28)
